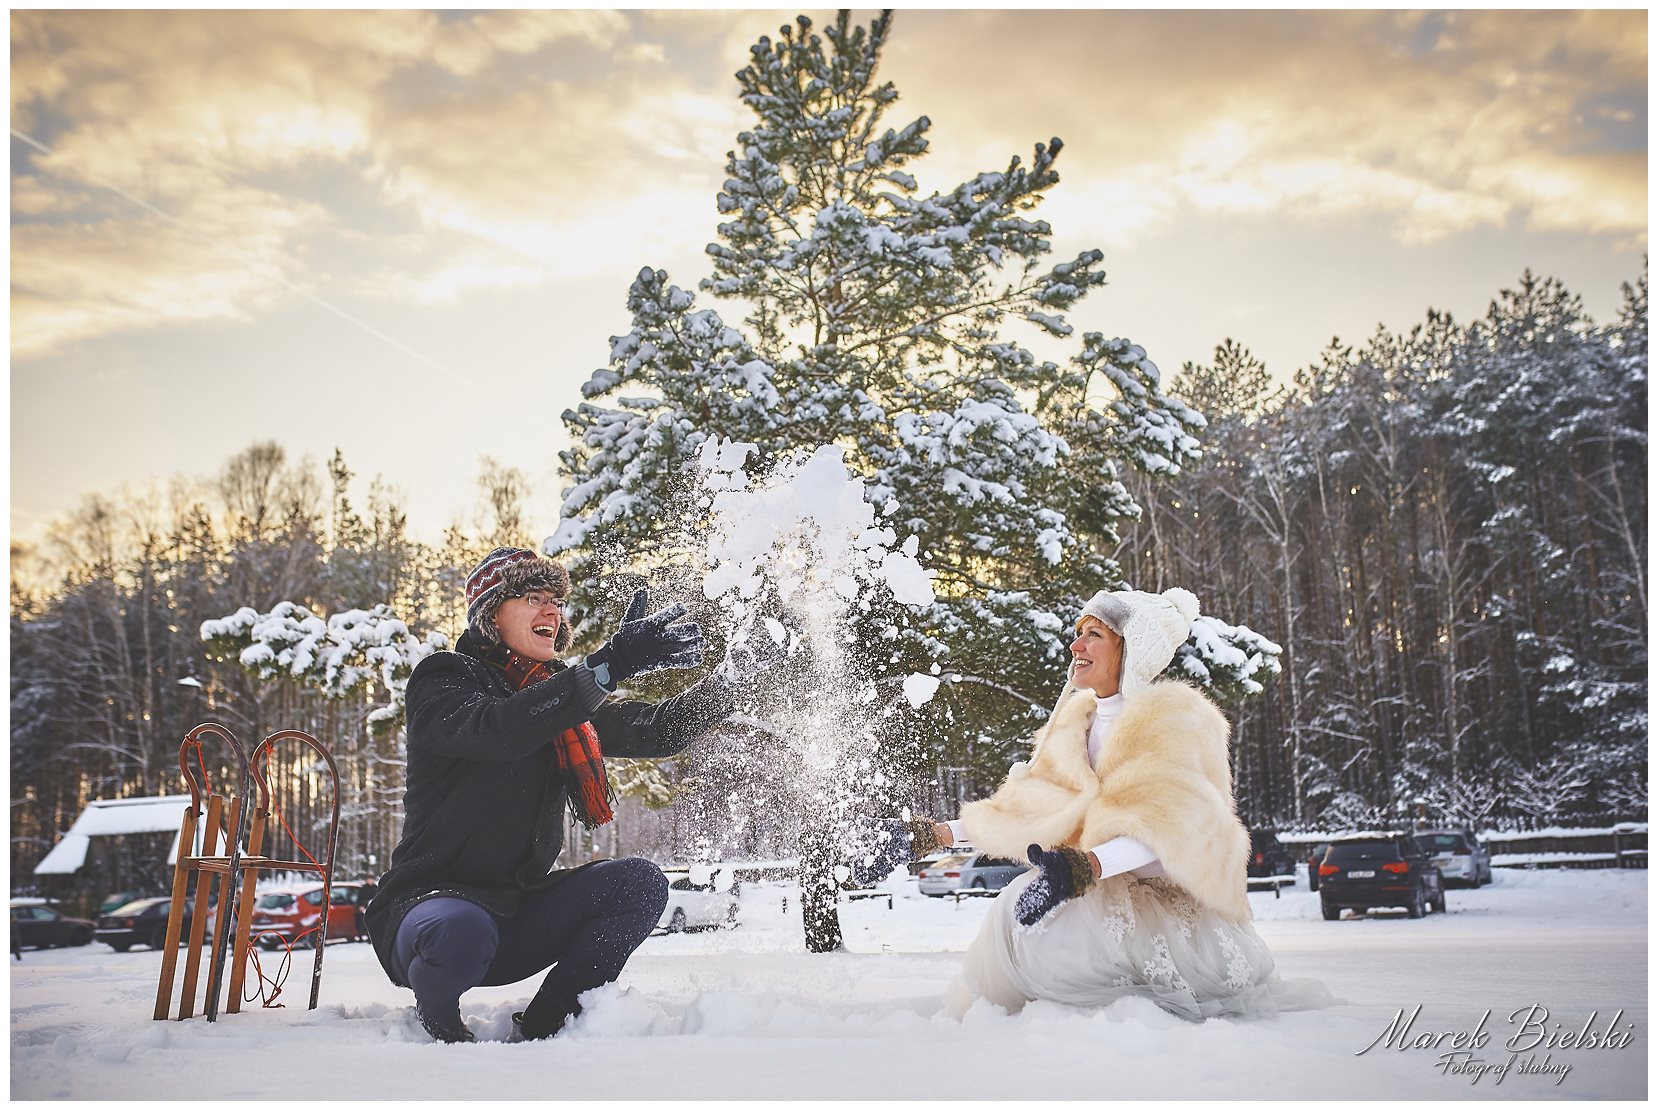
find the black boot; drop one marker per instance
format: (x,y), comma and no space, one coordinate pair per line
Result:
(444,1023)
(533,1033)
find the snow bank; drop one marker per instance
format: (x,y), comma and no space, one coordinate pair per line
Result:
(745,1013)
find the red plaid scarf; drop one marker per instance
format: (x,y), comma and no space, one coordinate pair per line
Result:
(579,759)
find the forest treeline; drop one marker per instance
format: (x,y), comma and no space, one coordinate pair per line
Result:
(1444,530)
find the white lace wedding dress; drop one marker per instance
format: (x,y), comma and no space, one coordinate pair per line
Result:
(1126,937)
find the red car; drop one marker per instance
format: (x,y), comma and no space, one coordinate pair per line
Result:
(282,914)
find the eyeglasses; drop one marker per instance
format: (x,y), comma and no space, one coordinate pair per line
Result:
(541,601)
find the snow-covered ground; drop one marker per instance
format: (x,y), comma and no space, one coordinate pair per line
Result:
(747,1013)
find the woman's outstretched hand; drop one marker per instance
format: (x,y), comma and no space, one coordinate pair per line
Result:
(1066,873)
(894,842)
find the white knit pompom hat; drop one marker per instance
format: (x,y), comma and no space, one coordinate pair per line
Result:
(1153,627)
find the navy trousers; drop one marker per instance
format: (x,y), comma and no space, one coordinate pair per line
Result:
(585,928)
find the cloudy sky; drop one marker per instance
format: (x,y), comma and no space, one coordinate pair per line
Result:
(410,235)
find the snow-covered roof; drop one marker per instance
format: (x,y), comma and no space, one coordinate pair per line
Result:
(1563,831)
(107,817)
(1310,837)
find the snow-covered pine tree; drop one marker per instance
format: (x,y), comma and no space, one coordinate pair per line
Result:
(892,322)
(346,654)
(1550,411)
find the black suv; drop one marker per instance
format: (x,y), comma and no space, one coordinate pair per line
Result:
(1379,870)
(1268,856)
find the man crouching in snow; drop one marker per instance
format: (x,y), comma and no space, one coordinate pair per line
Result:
(502,735)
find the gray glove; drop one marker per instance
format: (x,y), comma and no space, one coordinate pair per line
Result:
(1066,873)
(643,644)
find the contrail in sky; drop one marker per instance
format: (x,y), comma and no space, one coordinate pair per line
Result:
(256,266)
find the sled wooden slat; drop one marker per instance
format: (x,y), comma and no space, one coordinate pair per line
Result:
(221,922)
(175,913)
(198,919)
(218,867)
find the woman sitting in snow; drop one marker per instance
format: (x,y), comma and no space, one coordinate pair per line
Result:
(1126,810)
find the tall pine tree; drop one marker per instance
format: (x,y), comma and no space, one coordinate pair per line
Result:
(892,322)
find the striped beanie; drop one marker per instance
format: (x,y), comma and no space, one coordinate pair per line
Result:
(511,573)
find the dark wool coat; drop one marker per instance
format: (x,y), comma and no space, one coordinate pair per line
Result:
(483,813)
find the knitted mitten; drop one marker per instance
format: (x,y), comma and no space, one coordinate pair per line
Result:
(1066,873)
(923,837)
(896,842)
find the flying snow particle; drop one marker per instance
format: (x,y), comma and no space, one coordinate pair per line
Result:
(919,689)
(779,634)
(910,582)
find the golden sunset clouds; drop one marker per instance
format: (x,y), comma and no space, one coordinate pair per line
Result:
(1433,123)
(274,133)
(482,186)
(550,138)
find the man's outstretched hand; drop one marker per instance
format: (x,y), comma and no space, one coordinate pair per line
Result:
(646,643)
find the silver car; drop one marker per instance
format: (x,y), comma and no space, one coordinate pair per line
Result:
(947,873)
(1458,854)
(698,900)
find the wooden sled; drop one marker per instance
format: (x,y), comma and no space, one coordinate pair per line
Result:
(221,822)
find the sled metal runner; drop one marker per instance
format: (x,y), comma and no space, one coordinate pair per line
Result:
(221,823)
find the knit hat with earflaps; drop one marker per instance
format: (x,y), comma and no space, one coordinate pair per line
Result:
(512,573)
(1153,627)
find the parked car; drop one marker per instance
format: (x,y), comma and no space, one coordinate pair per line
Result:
(967,871)
(698,906)
(1458,854)
(1315,857)
(38,925)
(921,864)
(141,922)
(1379,870)
(1268,856)
(916,866)
(283,915)
(118,899)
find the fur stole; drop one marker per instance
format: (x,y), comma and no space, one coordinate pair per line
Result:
(1163,780)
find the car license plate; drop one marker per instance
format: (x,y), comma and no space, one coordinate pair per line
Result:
(1361,875)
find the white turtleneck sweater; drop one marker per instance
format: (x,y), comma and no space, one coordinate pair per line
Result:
(1120,854)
